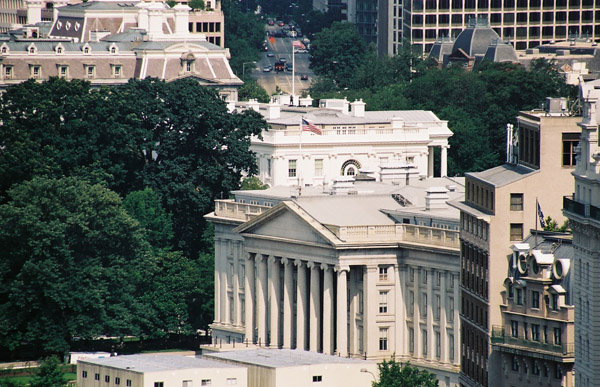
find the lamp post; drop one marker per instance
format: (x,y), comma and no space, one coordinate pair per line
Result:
(366,371)
(244,66)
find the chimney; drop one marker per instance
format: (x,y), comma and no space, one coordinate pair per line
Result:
(273,110)
(342,184)
(155,19)
(182,17)
(34,11)
(253,104)
(56,4)
(358,108)
(436,198)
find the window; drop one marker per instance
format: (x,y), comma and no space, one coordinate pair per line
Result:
(90,71)
(84,374)
(450,310)
(424,333)
(206,382)
(188,66)
(59,50)
(383,302)
(515,364)
(117,380)
(411,274)
(86,50)
(554,301)
(535,300)
(113,50)
(8,72)
(411,302)
(383,273)
(411,340)
(516,202)
(437,307)
(35,71)
(439,278)
(557,336)
(438,345)
(451,347)
(569,143)
(128,383)
(96,376)
(159,384)
(32,50)
(361,307)
(519,296)
(525,332)
(514,328)
(317,378)
(4,50)
(107,379)
(536,368)
(229,382)
(424,276)
(516,231)
(558,372)
(318,168)
(117,71)
(292,168)
(424,305)
(187,383)
(383,339)
(63,71)
(535,332)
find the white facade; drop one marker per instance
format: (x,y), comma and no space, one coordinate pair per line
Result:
(583,211)
(352,139)
(334,274)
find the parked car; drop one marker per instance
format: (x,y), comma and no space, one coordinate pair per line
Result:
(304,77)
(270,55)
(267,69)
(282,60)
(280,23)
(289,67)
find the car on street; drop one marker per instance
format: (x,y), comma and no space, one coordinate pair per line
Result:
(267,69)
(304,77)
(282,60)
(300,51)
(280,23)
(270,55)
(289,67)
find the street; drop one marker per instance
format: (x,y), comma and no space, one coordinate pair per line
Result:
(282,48)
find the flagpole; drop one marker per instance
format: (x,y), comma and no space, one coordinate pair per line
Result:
(293,76)
(300,159)
(537,215)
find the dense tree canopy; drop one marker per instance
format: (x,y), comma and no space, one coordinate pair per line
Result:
(244,33)
(394,374)
(77,259)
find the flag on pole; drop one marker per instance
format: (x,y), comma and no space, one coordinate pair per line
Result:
(540,215)
(308,126)
(298,44)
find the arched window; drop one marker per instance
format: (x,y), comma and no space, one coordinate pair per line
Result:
(350,168)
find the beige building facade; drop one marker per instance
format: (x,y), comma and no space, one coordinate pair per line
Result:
(583,210)
(336,275)
(499,208)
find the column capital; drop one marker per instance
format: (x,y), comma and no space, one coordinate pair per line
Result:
(298,262)
(372,267)
(272,259)
(250,256)
(310,264)
(260,257)
(340,268)
(285,261)
(324,266)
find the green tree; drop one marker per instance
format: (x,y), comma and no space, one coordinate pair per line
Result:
(253,183)
(552,225)
(49,374)
(196,4)
(71,261)
(252,90)
(337,52)
(146,208)
(394,374)
(244,34)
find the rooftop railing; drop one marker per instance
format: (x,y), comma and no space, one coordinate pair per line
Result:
(581,209)
(241,211)
(499,337)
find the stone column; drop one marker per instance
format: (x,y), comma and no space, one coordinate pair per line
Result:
(315,307)
(327,309)
(444,161)
(457,347)
(430,161)
(218,259)
(371,302)
(275,295)
(430,315)
(418,341)
(237,308)
(249,297)
(261,298)
(342,310)
(301,306)
(400,337)
(288,300)
(225,318)
(443,330)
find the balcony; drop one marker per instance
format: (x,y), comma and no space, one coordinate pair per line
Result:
(563,350)
(240,211)
(581,209)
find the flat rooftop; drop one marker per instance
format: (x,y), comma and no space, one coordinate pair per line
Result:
(155,363)
(277,358)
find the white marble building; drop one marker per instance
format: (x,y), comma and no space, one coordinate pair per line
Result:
(336,274)
(352,139)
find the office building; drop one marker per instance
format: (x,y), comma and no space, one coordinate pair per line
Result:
(524,23)
(500,205)
(582,207)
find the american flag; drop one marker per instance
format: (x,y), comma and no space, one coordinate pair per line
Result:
(308,126)
(298,44)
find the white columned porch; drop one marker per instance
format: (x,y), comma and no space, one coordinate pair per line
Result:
(261,298)
(275,296)
(218,258)
(444,161)
(249,297)
(288,300)
(327,309)
(301,305)
(342,310)
(430,161)
(370,310)
(315,307)
(443,310)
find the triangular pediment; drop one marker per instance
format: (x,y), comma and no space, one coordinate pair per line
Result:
(288,222)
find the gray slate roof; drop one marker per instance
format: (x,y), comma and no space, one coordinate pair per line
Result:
(503,174)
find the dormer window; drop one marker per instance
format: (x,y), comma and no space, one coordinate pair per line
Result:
(86,49)
(4,49)
(113,49)
(31,49)
(59,50)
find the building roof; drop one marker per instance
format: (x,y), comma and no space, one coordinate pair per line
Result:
(279,358)
(101,6)
(475,39)
(349,210)
(155,363)
(503,175)
(501,52)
